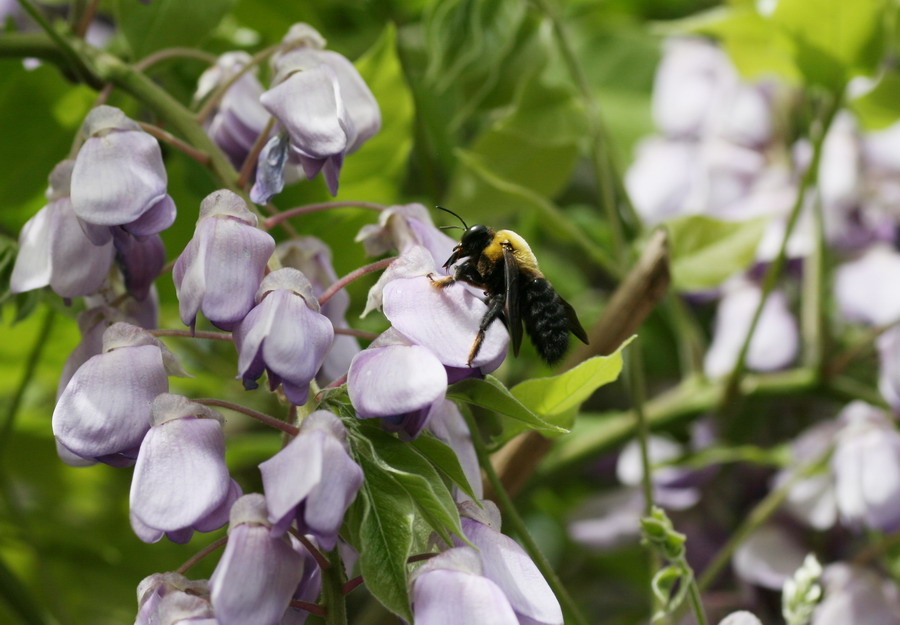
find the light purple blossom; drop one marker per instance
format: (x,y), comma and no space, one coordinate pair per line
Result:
(140,258)
(53,249)
(609,520)
(889,367)
(169,598)
(284,334)
(768,557)
(673,487)
(239,117)
(312,480)
(402,226)
(104,412)
(449,589)
(741,617)
(856,595)
(811,499)
(180,482)
(220,269)
(859,286)
(119,178)
(258,573)
(323,104)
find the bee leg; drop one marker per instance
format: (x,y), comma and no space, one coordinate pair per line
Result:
(441,283)
(494,311)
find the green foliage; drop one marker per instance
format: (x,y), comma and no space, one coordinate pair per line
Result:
(162,24)
(491,394)
(880,108)
(444,460)
(706,251)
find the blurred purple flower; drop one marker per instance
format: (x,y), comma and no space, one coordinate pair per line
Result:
(398,383)
(859,286)
(221,268)
(673,487)
(506,564)
(312,480)
(180,482)
(258,573)
(812,498)
(119,178)
(312,257)
(768,557)
(239,117)
(740,618)
(165,598)
(284,334)
(775,342)
(889,367)
(104,412)
(54,250)
(609,520)
(449,589)
(857,595)
(322,102)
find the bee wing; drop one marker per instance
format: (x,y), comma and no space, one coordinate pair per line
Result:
(574,324)
(511,279)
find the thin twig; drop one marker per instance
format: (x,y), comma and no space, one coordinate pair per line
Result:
(360,334)
(214,336)
(175,142)
(86,19)
(312,608)
(253,155)
(174,53)
(208,549)
(354,275)
(320,559)
(269,420)
(276,219)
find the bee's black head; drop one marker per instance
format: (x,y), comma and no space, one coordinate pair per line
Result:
(473,241)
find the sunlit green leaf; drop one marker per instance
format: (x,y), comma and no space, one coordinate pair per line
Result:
(880,108)
(490,393)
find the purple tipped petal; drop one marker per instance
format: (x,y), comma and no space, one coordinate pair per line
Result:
(395,380)
(443,320)
(270,169)
(159,216)
(140,259)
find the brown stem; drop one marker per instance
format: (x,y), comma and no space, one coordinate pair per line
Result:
(250,162)
(274,220)
(320,559)
(176,143)
(351,584)
(286,226)
(361,334)
(336,383)
(85,21)
(353,275)
(214,336)
(208,549)
(271,421)
(312,608)
(171,53)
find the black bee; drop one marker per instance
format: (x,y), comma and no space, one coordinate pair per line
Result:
(502,263)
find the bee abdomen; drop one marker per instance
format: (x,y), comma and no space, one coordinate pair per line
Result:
(545,319)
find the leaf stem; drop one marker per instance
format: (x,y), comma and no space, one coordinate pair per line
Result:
(274,220)
(175,142)
(511,516)
(354,275)
(271,421)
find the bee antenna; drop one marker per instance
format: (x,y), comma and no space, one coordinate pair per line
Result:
(446,210)
(451,228)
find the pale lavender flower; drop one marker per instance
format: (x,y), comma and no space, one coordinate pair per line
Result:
(162,596)
(140,258)
(889,367)
(312,257)
(775,342)
(323,104)
(53,249)
(402,226)
(284,334)
(258,573)
(313,480)
(609,520)
(506,564)
(768,557)
(859,286)
(221,268)
(119,178)
(399,383)
(741,617)
(673,487)
(92,323)
(180,482)
(104,412)
(857,595)
(239,118)
(811,499)
(450,589)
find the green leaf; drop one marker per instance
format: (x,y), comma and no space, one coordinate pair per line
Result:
(385,537)
(835,39)
(444,459)
(880,108)
(376,170)
(419,479)
(168,23)
(557,396)
(706,251)
(490,393)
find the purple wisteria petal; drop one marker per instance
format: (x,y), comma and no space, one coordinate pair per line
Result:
(221,268)
(395,380)
(866,466)
(856,595)
(154,588)
(413,261)
(506,564)
(33,267)
(157,218)
(270,169)
(105,408)
(448,425)
(402,226)
(141,260)
(119,173)
(659,180)
(312,478)
(92,323)
(180,477)
(859,287)
(740,618)
(811,499)
(448,590)
(672,486)
(775,342)
(889,367)
(443,320)
(609,520)
(258,573)
(768,557)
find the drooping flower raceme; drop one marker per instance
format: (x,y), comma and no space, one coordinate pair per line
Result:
(180,481)
(284,334)
(220,269)
(53,249)
(325,108)
(119,178)
(313,480)
(258,573)
(104,412)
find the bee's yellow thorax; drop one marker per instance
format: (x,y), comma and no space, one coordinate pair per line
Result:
(519,246)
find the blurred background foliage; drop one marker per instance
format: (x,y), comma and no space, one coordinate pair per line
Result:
(480,115)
